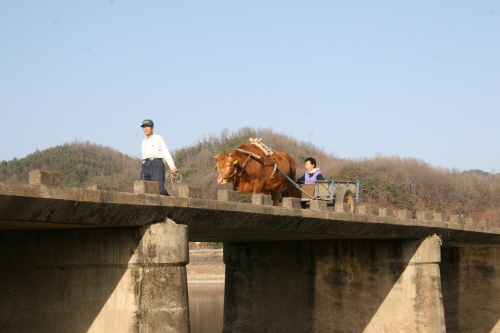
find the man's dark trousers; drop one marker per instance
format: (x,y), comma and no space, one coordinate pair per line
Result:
(154,170)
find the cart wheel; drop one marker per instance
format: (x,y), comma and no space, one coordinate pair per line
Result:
(345,195)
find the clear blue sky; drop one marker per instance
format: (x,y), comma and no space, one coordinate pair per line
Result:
(416,79)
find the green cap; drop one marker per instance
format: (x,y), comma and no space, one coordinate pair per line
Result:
(147,122)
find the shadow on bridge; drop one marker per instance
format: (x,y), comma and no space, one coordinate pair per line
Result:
(61,280)
(471,288)
(320,286)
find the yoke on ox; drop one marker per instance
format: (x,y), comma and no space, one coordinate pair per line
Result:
(252,171)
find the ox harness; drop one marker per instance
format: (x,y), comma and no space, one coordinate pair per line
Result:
(268,152)
(235,173)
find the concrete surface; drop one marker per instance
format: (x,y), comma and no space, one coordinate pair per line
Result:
(130,279)
(471,289)
(96,260)
(40,206)
(333,286)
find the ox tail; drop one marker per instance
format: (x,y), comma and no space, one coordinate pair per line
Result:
(291,163)
(289,172)
(292,185)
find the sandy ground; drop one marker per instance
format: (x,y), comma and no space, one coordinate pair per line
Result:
(205,266)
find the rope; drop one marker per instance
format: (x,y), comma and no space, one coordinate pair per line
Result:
(169,175)
(195,168)
(244,164)
(177,176)
(268,151)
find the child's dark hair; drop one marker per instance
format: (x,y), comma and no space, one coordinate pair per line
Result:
(311,160)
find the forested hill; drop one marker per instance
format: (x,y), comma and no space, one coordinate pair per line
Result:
(386,181)
(80,165)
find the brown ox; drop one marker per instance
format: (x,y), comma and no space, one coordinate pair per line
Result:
(251,174)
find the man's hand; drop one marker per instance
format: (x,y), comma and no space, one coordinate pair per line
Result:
(173,170)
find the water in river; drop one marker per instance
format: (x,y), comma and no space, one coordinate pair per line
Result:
(206,307)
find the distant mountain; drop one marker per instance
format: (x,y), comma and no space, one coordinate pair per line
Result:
(478,172)
(80,165)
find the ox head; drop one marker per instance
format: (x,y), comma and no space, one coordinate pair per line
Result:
(225,163)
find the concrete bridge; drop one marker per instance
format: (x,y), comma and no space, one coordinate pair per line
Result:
(95,260)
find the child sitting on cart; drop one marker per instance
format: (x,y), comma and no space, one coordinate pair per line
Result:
(312,173)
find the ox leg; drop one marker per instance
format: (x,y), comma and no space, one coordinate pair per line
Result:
(292,191)
(276,198)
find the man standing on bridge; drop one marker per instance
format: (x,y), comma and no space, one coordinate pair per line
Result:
(154,154)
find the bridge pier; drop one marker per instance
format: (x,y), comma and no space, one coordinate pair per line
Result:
(128,279)
(333,286)
(471,288)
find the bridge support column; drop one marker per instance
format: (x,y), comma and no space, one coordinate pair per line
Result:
(471,289)
(333,286)
(125,279)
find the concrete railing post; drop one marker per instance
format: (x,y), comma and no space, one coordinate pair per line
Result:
(385,212)
(262,199)
(38,177)
(318,205)
(404,214)
(228,196)
(438,217)
(424,215)
(289,202)
(365,210)
(192,192)
(343,208)
(145,187)
(457,219)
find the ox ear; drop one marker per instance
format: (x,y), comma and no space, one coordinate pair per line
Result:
(230,154)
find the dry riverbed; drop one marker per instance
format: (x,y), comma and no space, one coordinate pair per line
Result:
(205,266)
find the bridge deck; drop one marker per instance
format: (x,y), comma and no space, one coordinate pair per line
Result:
(24,206)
